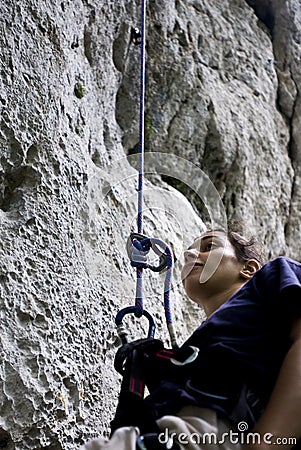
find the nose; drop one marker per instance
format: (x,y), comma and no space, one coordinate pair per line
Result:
(190,255)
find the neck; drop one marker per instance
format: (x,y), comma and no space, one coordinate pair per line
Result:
(214,301)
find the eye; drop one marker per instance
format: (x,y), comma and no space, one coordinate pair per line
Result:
(209,246)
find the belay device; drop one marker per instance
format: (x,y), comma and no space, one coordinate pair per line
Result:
(138,247)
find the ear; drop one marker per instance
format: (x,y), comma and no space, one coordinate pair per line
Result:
(249,268)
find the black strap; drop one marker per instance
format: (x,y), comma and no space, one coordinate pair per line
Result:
(130,363)
(146,346)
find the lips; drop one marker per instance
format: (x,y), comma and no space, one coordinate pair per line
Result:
(193,264)
(189,266)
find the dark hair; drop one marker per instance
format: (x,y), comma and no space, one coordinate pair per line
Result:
(246,249)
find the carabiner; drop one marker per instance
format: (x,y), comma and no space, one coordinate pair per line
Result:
(135,36)
(122,333)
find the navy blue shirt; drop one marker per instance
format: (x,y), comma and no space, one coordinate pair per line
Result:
(241,347)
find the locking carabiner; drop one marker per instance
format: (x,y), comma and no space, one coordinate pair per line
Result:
(122,333)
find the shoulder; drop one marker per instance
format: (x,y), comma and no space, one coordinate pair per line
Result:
(282,263)
(281,272)
(286,260)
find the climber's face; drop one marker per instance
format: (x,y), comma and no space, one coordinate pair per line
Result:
(211,267)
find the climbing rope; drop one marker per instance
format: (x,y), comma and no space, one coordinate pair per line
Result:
(141,119)
(139,270)
(139,245)
(167,290)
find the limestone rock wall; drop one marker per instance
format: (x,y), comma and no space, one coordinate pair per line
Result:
(223,83)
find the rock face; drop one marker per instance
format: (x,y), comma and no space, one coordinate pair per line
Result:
(223,87)
(222,104)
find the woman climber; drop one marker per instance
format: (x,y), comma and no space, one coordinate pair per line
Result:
(240,385)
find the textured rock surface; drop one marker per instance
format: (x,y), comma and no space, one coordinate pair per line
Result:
(222,92)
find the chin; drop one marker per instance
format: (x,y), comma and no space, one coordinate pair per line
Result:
(192,292)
